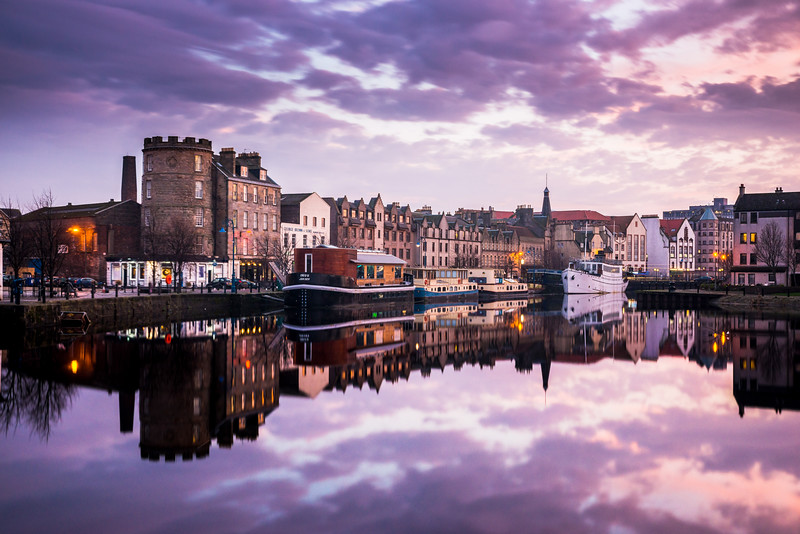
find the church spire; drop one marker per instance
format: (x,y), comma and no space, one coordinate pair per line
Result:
(546,211)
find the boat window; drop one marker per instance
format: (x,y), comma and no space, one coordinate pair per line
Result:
(398,273)
(379,271)
(370,271)
(360,271)
(309,263)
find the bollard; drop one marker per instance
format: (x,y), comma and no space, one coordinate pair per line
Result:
(94,289)
(116,291)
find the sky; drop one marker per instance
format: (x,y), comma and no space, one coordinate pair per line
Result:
(617,106)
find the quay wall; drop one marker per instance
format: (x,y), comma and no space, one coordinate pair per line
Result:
(33,324)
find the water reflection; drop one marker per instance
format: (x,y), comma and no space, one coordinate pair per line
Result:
(586,413)
(218,380)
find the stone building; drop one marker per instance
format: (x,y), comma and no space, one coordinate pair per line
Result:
(444,241)
(253,212)
(373,225)
(714,241)
(227,202)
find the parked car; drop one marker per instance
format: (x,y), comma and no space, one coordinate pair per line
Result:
(702,279)
(220,283)
(86,283)
(241,283)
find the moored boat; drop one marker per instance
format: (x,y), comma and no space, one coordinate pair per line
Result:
(593,276)
(491,286)
(328,276)
(443,284)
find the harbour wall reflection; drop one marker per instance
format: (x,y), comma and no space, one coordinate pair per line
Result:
(218,380)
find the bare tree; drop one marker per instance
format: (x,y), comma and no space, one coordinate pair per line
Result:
(152,240)
(17,248)
(179,245)
(276,254)
(38,403)
(345,237)
(770,246)
(791,258)
(48,236)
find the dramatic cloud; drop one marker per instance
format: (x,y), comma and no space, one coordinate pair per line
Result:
(457,88)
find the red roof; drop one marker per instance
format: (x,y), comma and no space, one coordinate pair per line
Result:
(671,226)
(502,214)
(579,215)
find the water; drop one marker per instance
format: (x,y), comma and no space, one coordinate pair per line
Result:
(589,417)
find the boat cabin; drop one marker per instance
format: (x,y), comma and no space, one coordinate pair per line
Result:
(434,275)
(364,267)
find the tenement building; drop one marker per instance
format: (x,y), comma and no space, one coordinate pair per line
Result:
(766,229)
(444,241)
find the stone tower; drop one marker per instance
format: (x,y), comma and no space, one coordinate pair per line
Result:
(177,188)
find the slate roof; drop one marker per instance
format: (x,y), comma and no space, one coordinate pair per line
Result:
(768,202)
(74,210)
(294,198)
(620,223)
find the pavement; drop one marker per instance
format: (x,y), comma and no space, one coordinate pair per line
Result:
(30,294)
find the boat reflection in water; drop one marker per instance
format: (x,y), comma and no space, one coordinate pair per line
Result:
(219,380)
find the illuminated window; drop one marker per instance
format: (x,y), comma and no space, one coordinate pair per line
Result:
(198,163)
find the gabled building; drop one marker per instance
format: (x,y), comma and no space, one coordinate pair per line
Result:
(629,242)
(752,213)
(92,236)
(682,241)
(304,221)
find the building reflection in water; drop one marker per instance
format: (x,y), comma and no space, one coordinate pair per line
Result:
(218,380)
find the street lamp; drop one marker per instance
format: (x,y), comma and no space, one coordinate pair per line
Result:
(229,222)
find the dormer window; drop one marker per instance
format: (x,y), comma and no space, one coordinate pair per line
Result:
(243,172)
(263,175)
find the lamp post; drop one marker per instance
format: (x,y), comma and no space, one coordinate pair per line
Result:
(716,268)
(229,222)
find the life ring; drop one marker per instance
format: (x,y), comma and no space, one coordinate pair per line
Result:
(459,280)
(426,282)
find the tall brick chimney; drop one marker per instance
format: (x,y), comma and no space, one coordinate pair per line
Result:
(227,158)
(128,178)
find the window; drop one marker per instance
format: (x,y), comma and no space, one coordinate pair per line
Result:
(149,163)
(294,240)
(753,217)
(147,216)
(262,175)
(235,192)
(275,198)
(753,237)
(274,223)
(742,259)
(743,238)
(305,240)
(285,240)
(244,219)
(148,189)
(198,217)
(314,223)
(255,221)
(309,263)
(244,193)
(323,222)
(255,195)
(198,163)
(305,220)
(753,258)
(379,271)
(243,171)
(370,271)
(264,226)
(235,219)
(198,189)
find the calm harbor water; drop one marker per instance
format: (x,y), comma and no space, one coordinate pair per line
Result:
(585,415)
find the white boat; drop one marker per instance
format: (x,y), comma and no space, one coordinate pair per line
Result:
(593,276)
(491,286)
(593,309)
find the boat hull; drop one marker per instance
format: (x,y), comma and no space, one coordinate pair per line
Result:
(580,282)
(306,290)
